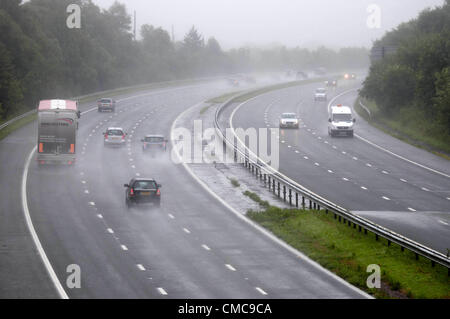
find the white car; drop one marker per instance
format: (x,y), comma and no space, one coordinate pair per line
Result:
(320,94)
(288,120)
(114,136)
(341,121)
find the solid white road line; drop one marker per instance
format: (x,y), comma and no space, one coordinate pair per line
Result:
(51,272)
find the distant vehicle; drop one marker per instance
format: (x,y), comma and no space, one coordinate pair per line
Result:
(114,136)
(331,83)
(341,121)
(349,76)
(320,94)
(106,104)
(57,131)
(301,75)
(154,143)
(142,190)
(233,82)
(288,120)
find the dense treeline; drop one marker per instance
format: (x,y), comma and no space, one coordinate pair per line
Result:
(40,57)
(413,84)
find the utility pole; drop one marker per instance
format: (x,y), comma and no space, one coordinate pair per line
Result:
(173,34)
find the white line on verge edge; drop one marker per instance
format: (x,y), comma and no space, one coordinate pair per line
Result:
(51,272)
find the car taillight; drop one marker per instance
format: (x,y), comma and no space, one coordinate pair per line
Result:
(106,136)
(131,192)
(123,136)
(158,192)
(41,147)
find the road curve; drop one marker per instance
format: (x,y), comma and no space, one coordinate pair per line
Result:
(191,247)
(373,174)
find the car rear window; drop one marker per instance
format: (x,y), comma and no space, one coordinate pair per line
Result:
(144,185)
(320,90)
(105,101)
(115,132)
(288,116)
(154,139)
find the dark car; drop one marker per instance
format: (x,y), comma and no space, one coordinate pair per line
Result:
(142,190)
(106,104)
(154,143)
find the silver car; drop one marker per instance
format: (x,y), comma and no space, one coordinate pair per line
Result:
(114,136)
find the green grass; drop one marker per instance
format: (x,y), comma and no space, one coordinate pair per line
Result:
(256,198)
(407,126)
(347,252)
(204,109)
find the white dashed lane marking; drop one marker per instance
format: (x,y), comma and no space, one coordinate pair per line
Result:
(124,247)
(110,231)
(230,267)
(206,247)
(386,198)
(140,267)
(411,209)
(171,216)
(187,231)
(442,222)
(261,291)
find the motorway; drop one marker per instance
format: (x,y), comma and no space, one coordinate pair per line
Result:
(392,183)
(190,247)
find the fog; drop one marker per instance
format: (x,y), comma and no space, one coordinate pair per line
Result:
(306,23)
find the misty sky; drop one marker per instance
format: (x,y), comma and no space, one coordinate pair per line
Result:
(334,23)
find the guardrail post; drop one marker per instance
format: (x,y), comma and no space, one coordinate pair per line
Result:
(365,231)
(402,248)
(417,256)
(265,177)
(432,263)
(284,192)
(389,242)
(290,197)
(310,203)
(318,207)
(269,182)
(279,189)
(326,211)
(339,218)
(296,199)
(376,236)
(303,202)
(359,228)
(273,185)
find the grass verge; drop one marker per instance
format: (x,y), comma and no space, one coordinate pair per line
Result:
(347,252)
(411,131)
(234,182)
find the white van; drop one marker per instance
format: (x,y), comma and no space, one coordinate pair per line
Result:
(340,121)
